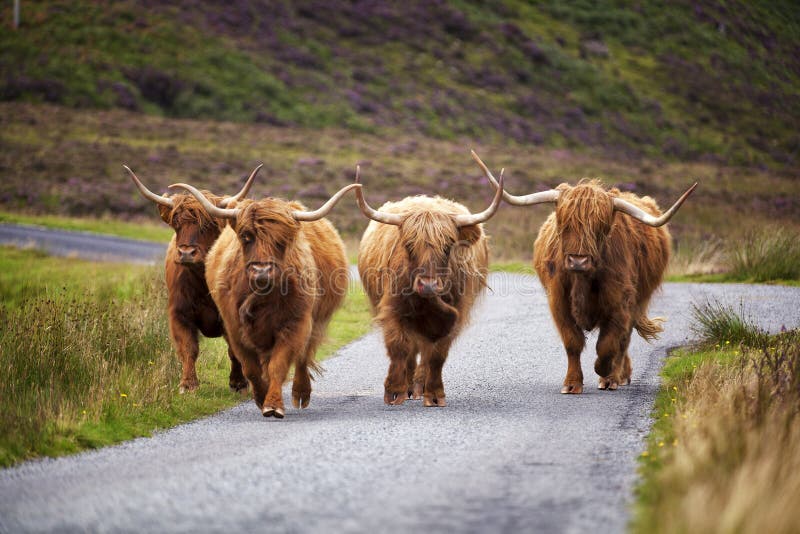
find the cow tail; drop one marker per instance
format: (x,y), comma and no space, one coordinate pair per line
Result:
(649,328)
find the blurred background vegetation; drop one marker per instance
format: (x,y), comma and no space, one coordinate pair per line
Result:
(647,96)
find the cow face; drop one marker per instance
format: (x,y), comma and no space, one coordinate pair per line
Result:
(195,229)
(584,214)
(429,240)
(266,231)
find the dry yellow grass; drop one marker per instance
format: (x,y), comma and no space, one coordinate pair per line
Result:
(729,459)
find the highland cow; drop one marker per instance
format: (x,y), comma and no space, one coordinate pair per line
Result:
(423,262)
(600,256)
(190,308)
(277,273)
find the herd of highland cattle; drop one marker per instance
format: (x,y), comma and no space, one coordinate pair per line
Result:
(268,274)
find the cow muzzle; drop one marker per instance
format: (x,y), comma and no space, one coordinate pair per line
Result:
(261,276)
(427,287)
(189,254)
(579,263)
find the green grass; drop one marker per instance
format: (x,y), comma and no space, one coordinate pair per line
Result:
(717,324)
(145,231)
(86,357)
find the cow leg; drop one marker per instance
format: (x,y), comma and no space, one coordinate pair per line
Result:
(291,345)
(184,339)
(252,370)
(301,386)
(400,350)
(574,340)
(627,370)
(236,379)
(433,359)
(415,376)
(612,347)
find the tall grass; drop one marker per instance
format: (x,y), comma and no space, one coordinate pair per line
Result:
(70,357)
(86,361)
(772,254)
(725,453)
(719,324)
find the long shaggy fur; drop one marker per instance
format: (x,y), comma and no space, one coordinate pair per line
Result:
(630,259)
(190,308)
(271,331)
(389,257)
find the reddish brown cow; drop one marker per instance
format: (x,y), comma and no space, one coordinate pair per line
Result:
(277,274)
(423,262)
(599,270)
(190,307)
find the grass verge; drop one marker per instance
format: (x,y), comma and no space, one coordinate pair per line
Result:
(724,451)
(86,358)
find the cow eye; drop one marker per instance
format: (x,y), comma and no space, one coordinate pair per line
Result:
(246,238)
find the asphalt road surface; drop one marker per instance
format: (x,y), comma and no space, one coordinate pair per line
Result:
(82,244)
(508,454)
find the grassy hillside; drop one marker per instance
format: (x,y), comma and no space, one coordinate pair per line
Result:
(704,79)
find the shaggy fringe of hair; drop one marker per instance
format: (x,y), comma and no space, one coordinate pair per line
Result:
(187,209)
(583,206)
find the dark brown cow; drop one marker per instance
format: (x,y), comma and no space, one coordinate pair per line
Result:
(423,262)
(277,274)
(599,270)
(190,306)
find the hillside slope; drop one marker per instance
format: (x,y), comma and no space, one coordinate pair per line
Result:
(706,79)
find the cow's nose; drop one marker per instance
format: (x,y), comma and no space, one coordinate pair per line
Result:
(261,271)
(187,253)
(577,262)
(427,287)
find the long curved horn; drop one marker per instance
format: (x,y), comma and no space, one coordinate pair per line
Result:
(526,200)
(380,216)
(245,189)
(317,214)
(146,193)
(212,210)
(626,207)
(485,215)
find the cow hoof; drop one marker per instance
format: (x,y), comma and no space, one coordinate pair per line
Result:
(269,411)
(607,383)
(301,400)
(572,389)
(394,399)
(279,413)
(430,402)
(416,392)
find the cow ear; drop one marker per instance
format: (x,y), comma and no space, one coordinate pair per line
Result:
(165,212)
(470,234)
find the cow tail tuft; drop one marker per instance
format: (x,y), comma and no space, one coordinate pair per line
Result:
(649,328)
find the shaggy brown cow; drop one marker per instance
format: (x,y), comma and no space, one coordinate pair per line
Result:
(423,262)
(277,274)
(190,307)
(600,270)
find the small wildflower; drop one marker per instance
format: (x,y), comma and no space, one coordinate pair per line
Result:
(673,399)
(675,443)
(674,388)
(666,414)
(645,454)
(83,412)
(660,443)
(123,395)
(727,342)
(150,362)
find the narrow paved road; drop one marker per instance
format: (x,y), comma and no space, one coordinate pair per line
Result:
(82,244)
(508,454)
